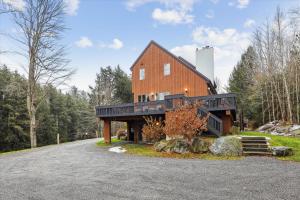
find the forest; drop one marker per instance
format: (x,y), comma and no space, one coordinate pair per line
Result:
(34,111)
(70,114)
(267,78)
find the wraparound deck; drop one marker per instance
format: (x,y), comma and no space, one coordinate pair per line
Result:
(211,103)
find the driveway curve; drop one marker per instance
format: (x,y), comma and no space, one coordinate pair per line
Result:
(80,170)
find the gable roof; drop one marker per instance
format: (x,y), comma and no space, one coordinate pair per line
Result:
(179,59)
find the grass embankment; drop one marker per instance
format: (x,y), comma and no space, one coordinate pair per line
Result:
(101,143)
(149,151)
(277,140)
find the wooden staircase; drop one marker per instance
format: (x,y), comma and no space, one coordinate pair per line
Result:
(255,145)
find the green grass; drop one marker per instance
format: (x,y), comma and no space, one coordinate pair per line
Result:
(277,140)
(148,150)
(101,143)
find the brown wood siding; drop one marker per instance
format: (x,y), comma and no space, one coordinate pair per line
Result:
(227,123)
(181,77)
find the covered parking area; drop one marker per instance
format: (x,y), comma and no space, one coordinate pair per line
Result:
(134,123)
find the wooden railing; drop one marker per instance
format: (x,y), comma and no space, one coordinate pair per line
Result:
(210,103)
(214,124)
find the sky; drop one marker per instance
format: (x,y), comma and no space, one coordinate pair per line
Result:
(115,32)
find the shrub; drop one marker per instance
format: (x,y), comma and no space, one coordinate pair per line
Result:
(122,133)
(185,122)
(153,130)
(234,130)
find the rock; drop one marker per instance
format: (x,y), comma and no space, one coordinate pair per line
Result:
(173,145)
(265,127)
(199,145)
(227,146)
(181,146)
(161,145)
(282,151)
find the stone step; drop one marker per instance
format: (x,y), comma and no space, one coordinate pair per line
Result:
(254,141)
(257,153)
(253,138)
(251,149)
(255,145)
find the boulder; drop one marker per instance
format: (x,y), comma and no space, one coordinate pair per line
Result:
(227,146)
(173,145)
(266,127)
(282,151)
(161,145)
(180,146)
(199,145)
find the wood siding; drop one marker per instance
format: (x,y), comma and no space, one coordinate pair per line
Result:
(181,76)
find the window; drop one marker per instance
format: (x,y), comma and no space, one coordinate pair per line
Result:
(161,95)
(143,98)
(142,74)
(167,69)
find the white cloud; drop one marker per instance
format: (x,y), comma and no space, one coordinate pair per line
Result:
(71,6)
(249,23)
(116,44)
(175,11)
(228,44)
(171,17)
(16,4)
(215,37)
(243,3)
(84,42)
(183,4)
(239,3)
(210,14)
(214,1)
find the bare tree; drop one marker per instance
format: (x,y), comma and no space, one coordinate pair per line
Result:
(42,23)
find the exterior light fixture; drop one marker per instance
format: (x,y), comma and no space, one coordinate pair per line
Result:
(186,90)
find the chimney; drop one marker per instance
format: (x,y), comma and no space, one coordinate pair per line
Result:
(205,62)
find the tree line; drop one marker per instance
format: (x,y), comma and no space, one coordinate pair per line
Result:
(267,78)
(70,114)
(32,110)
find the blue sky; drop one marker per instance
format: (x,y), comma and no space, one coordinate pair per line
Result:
(112,32)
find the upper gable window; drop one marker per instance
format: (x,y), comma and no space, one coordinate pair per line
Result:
(167,69)
(142,74)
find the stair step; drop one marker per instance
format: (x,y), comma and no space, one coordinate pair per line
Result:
(253,138)
(257,153)
(246,149)
(255,141)
(255,145)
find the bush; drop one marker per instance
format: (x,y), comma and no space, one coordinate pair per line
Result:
(185,122)
(234,130)
(122,133)
(153,130)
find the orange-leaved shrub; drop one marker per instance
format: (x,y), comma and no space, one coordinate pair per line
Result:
(185,122)
(153,130)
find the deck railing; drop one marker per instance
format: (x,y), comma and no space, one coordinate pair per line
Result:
(210,103)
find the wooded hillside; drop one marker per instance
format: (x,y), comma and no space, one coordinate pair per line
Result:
(267,78)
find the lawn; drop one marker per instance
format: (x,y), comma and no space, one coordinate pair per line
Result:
(281,141)
(101,143)
(148,150)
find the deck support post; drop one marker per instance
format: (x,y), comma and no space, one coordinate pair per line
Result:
(136,130)
(107,131)
(128,131)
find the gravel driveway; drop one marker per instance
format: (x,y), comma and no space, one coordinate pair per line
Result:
(80,170)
